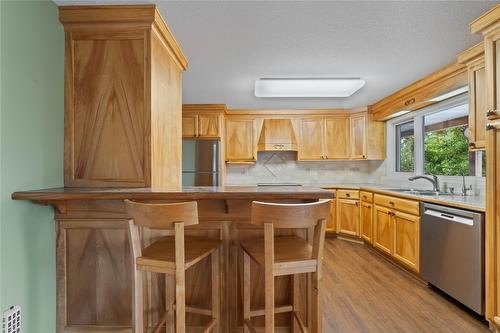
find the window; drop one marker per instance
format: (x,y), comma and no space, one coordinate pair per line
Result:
(434,140)
(446,145)
(405,147)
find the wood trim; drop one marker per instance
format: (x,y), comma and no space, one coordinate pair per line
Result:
(484,22)
(204,108)
(471,54)
(417,95)
(146,16)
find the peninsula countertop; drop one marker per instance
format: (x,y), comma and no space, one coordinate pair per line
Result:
(183,193)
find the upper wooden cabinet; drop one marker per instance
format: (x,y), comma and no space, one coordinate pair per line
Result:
(202,121)
(312,139)
(241,145)
(122,97)
(337,138)
(340,137)
(489,26)
(473,58)
(367,137)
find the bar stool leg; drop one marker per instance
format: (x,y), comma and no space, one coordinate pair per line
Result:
(269,277)
(138,302)
(169,302)
(216,290)
(295,300)
(316,308)
(180,281)
(246,290)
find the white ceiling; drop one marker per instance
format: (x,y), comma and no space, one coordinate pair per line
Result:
(229,44)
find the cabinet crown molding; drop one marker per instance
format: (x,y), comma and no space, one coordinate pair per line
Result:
(74,18)
(484,23)
(471,54)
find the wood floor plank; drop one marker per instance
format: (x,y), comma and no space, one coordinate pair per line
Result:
(364,292)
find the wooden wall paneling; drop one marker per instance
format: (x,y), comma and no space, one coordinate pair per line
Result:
(166,115)
(99,294)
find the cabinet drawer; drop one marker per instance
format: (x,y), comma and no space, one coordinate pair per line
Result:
(347,194)
(366,196)
(403,205)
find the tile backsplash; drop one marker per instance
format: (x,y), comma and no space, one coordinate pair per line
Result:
(284,167)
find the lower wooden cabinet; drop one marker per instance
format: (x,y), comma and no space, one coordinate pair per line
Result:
(348,217)
(407,239)
(332,224)
(366,221)
(383,229)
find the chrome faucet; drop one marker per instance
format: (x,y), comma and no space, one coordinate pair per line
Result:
(464,187)
(434,180)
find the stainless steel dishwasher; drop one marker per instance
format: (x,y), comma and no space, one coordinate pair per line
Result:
(452,253)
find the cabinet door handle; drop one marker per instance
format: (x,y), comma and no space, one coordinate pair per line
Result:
(491,113)
(472,144)
(490,127)
(356,203)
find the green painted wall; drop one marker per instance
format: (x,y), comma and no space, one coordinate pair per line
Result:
(31,150)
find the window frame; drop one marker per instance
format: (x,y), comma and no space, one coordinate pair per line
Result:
(419,133)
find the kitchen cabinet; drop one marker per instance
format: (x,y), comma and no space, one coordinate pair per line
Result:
(473,58)
(407,239)
(348,217)
(358,136)
(383,229)
(123,104)
(341,137)
(337,138)
(312,137)
(367,137)
(203,121)
(240,140)
(366,216)
(489,26)
(397,229)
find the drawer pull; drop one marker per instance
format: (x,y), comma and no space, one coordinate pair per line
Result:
(391,203)
(490,127)
(347,195)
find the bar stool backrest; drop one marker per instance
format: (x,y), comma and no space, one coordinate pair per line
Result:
(162,216)
(290,216)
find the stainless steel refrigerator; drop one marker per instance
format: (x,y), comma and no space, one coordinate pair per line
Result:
(200,162)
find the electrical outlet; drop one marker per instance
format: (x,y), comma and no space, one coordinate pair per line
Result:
(12,320)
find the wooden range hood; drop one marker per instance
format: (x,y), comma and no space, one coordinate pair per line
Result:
(277,135)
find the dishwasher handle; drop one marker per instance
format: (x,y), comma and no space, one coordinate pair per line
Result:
(449,217)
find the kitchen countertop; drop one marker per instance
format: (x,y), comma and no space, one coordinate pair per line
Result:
(184,193)
(472,202)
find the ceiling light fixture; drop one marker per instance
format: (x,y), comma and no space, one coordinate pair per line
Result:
(307,87)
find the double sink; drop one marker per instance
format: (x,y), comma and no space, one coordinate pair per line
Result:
(418,192)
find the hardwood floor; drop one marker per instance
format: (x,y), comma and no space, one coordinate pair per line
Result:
(364,292)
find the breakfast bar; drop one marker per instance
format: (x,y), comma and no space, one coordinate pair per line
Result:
(94,265)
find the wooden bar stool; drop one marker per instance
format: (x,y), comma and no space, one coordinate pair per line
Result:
(171,255)
(285,255)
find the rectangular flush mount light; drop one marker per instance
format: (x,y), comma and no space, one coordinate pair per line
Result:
(307,87)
